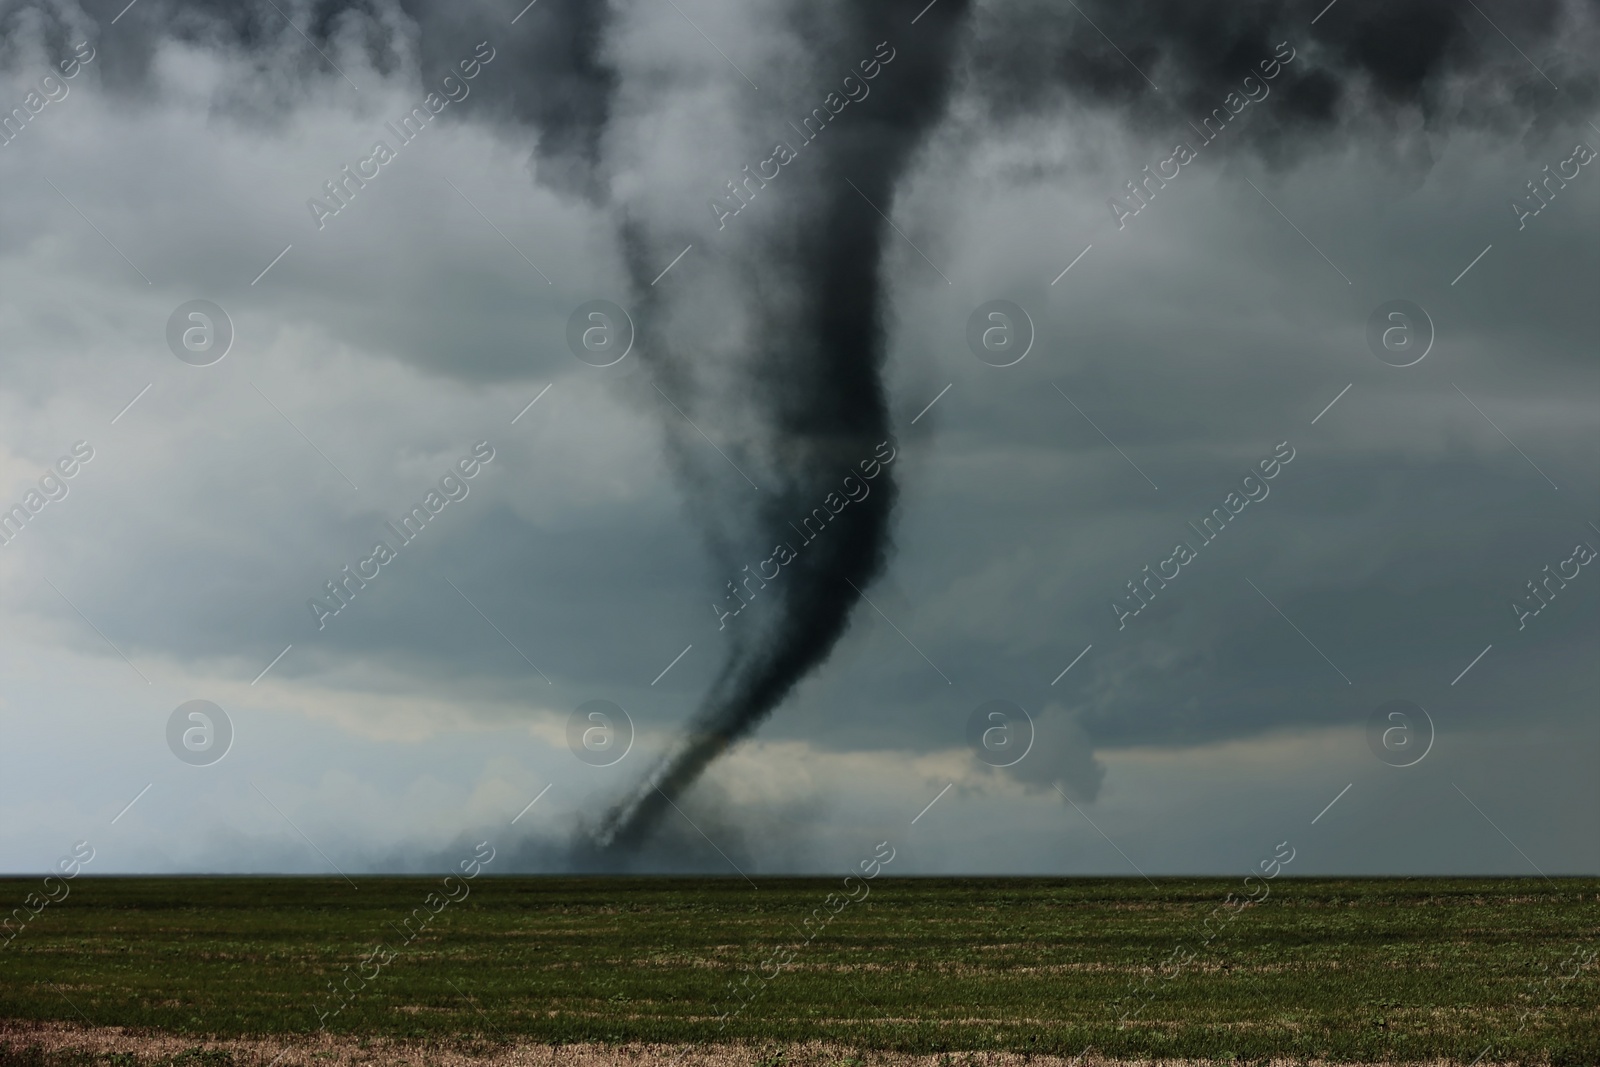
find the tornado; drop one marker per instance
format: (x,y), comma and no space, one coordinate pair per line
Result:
(805,372)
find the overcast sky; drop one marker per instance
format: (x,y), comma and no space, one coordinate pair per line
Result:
(1224,324)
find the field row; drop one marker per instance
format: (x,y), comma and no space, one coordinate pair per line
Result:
(1343,970)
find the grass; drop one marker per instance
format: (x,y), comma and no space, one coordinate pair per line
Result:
(1369,970)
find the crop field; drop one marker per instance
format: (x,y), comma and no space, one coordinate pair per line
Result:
(799,971)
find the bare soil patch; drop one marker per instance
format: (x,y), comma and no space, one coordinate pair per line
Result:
(63,1041)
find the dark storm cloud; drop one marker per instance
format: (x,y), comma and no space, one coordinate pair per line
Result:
(560,88)
(1443,58)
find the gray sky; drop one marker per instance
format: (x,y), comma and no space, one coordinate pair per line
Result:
(1175,354)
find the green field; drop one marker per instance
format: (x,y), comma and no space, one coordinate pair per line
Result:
(1349,970)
